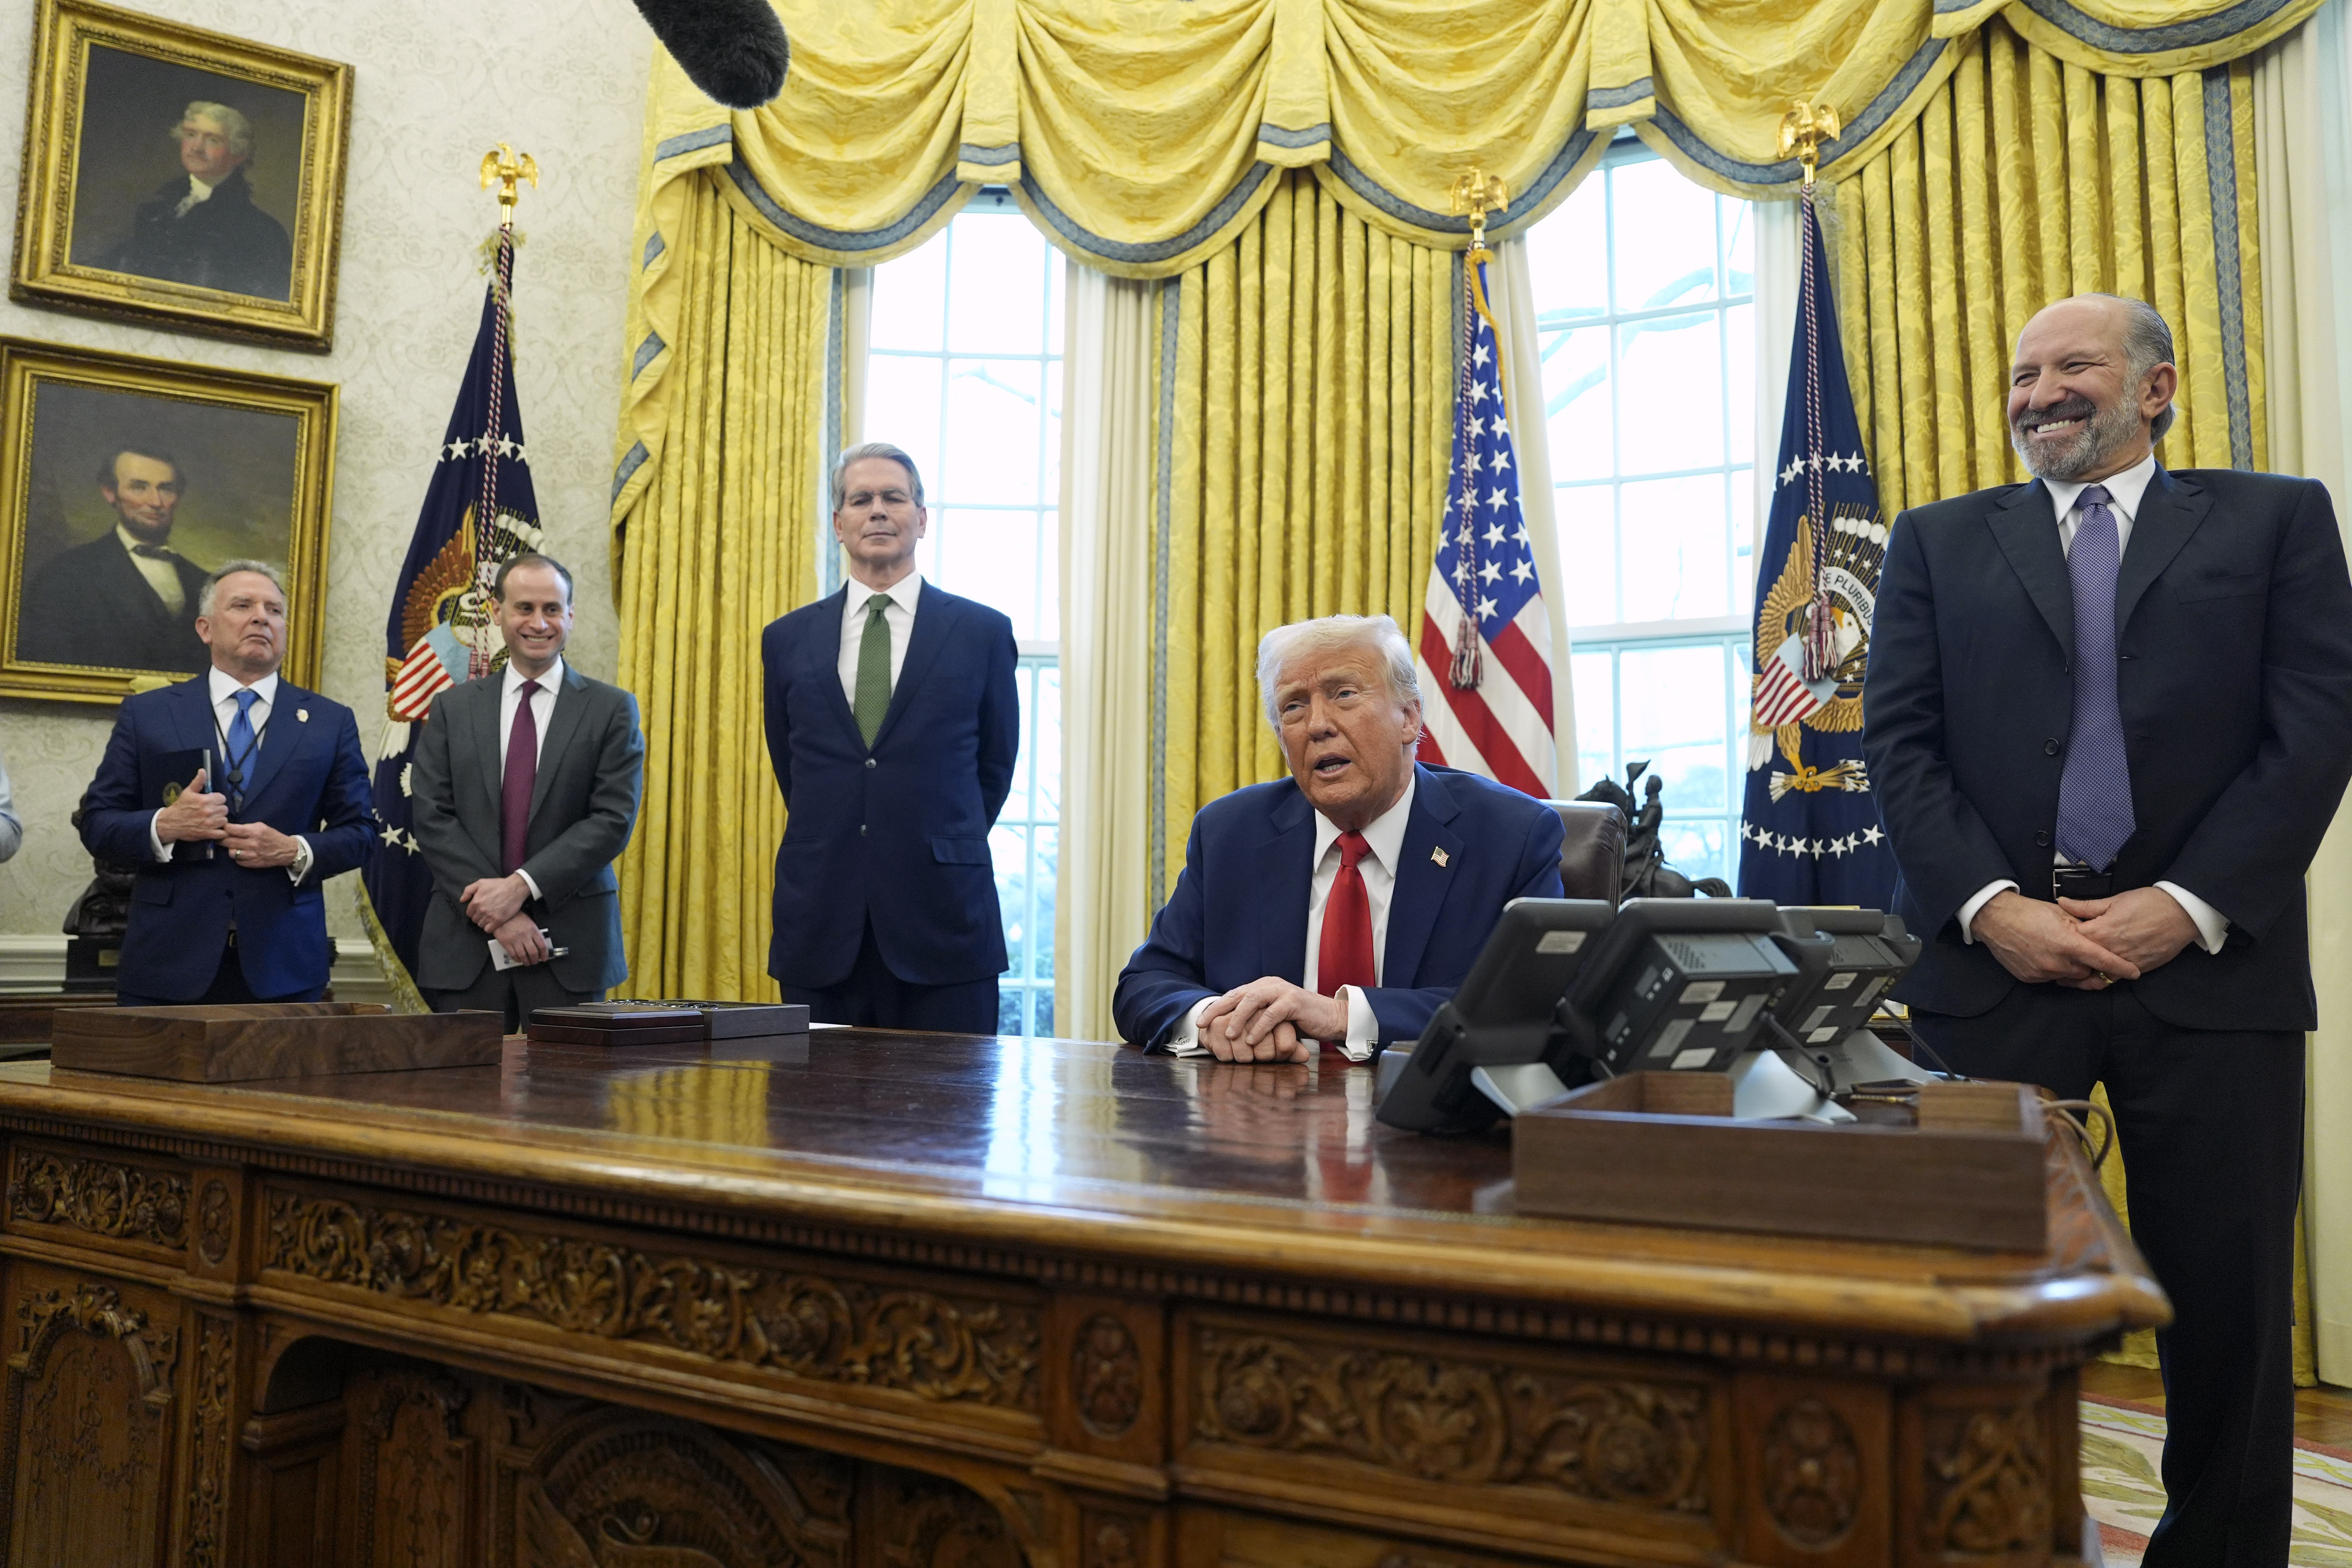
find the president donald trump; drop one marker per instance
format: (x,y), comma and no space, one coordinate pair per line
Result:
(1344,903)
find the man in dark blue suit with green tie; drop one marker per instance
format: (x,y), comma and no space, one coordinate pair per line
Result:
(893,724)
(227,906)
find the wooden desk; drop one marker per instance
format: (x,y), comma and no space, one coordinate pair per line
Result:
(939,1302)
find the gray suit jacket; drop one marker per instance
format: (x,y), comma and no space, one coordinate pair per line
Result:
(592,766)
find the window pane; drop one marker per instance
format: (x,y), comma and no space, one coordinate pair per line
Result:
(1742,483)
(1009,848)
(1673,717)
(1042,948)
(1569,264)
(1677,561)
(1664,226)
(992,557)
(1048,627)
(1047,741)
(909,302)
(994,427)
(1739,221)
(1670,398)
(1739,380)
(1696,845)
(996,285)
(1596,716)
(1586,517)
(1576,405)
(902,407)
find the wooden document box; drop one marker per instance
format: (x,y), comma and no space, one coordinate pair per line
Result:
(1661,1147)
(221,1044)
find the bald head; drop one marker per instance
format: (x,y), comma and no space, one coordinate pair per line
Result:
(2091,389)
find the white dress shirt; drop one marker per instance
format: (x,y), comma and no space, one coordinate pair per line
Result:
(198,193)
(2124,492)
(899,615)
(161,574)
(224,688)
(542,710)
(1384,841)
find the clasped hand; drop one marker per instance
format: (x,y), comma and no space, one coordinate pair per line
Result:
(491,901)
(2087,944)
(198,815)
(1271,1020)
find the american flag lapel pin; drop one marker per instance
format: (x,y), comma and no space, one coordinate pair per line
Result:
(1438,856)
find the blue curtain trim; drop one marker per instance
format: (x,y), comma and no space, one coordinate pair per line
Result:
(2245,16)
(1008,153)
(652,346)
(1619,96)
(630,464)
(653,246)
(808,233)
(1276,136)
(2221,180)
(1787,171)
(1537,189)
(694,140)
(1152,251)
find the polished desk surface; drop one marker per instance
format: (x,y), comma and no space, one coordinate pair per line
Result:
(1279,1170)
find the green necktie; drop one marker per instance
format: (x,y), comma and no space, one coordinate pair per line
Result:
(874,670)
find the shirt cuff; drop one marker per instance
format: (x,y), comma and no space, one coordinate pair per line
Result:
(1985,895)
(301,866)
(531,885)
(1364,1025)
(1184,1040)
(2213,925)
(155,840)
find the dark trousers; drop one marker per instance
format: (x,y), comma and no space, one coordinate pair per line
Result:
(513,992)
(874,998)
(2210,1125)
(228,986)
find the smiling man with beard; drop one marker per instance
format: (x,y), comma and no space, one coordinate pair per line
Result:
(2108,718)
(1344,903)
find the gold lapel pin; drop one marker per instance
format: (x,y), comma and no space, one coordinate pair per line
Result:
(1438,856)
(302,715)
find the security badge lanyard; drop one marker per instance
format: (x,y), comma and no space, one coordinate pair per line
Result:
(238,765)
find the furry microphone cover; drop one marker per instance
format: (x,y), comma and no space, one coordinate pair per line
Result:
(733,50)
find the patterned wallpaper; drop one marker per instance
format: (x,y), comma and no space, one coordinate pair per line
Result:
(438,82)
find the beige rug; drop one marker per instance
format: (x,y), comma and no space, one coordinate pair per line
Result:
(2121,1444)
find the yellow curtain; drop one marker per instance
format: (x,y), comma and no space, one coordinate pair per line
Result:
(1306,395)
(720,540)
(2023,180)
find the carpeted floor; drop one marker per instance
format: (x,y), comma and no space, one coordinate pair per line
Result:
(2121,1442)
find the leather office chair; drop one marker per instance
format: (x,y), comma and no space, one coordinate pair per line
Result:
(1593,854)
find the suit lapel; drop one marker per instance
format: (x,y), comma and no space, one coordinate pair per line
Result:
(2170,511)
(191,716)
(823,653)
(280,738)
(488,696)
(1287,850)
(1421,881)
(935,617)
(561,725)
(2025,526)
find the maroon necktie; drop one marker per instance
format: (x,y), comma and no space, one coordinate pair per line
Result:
(523,772)
(1345,955)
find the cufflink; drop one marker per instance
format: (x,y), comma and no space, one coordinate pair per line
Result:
(1438,856)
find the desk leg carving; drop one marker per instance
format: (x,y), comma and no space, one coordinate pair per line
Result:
(1975,1464)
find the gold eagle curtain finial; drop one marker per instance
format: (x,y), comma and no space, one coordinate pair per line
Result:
(1803,129)
(508,169)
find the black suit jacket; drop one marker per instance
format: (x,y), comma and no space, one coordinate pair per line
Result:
(223,242)
(897,834)
(92,606)
(584,806)
(2233,619)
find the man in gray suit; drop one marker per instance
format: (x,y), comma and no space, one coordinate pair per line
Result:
(525,790)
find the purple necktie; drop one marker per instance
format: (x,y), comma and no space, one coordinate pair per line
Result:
(2095,801)
(523,772)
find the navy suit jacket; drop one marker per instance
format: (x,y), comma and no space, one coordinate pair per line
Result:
(897,834)
(309,778)
(2233,618)
(1239,911)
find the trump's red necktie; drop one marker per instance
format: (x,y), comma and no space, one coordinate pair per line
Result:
(522,775)
(1345,955)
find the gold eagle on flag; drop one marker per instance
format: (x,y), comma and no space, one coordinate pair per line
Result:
(1781,702)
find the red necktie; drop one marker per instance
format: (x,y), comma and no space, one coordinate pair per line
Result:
(521,774)
(1345,956)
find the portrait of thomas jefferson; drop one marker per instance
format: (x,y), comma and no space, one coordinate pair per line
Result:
(125,600)
(201,226)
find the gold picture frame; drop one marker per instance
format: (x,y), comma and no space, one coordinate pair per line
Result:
(209,465)
(123,112)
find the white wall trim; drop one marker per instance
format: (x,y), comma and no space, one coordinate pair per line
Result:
(36,965)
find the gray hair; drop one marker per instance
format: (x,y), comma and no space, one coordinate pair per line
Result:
(234,125)
(1326,633)
(859,454)
(2148,343)
(230,569)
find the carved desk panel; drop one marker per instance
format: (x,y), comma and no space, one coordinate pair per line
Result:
(935,1302)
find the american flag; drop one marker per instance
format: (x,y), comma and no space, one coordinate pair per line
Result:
(1484,659)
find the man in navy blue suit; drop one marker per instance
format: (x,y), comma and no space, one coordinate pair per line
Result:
(227,906)
(1343,903)
(893,724)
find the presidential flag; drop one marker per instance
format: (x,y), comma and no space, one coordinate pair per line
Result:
(478,509)
(1485,658)
(1809,832)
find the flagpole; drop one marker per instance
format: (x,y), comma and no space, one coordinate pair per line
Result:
(509,170)
(1475,193)
(1803,131)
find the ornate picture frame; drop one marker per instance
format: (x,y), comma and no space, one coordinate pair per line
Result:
(180,178)
(99,581)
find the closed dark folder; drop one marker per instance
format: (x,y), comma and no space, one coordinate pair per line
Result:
(164,775)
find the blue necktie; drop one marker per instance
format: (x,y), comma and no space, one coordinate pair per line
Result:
(241,741)
(2094,803)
